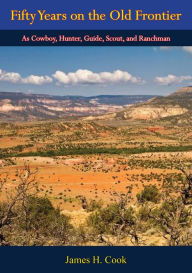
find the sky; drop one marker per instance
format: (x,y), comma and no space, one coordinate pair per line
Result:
(90,71)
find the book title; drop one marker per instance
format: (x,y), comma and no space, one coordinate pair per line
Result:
(93,15)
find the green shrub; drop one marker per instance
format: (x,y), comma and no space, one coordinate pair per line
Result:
(108,220)
(94,205)
(171,212)
(41,216)
(149,194)
(143,213)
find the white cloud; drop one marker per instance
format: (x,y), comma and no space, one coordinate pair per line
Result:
(172,79)
(38,80)
(9,76)
(81,76)
(187,49)
(14,77)
(165,48)
(84,76)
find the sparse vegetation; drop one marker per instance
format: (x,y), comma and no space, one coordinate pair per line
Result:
(149,194)
(98,183)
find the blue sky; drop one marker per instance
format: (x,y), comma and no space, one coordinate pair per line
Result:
(80,70)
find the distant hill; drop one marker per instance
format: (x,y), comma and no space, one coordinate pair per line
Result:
(187,90)
(29,107)
(178,104)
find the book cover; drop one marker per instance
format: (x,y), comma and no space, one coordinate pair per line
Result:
(95,135)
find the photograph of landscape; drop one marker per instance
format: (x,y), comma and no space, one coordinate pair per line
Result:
(95,146)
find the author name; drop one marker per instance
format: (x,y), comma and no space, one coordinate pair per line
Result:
(96,260)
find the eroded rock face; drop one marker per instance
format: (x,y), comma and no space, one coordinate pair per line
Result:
(102,117)
(7,107)
(145,112)
(186,89)
(19,106)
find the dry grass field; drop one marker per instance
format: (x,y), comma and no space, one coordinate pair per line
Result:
(64,179)
(89,171)
(79,162)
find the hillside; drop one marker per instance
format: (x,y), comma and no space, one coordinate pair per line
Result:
(177,104)
(30,107)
